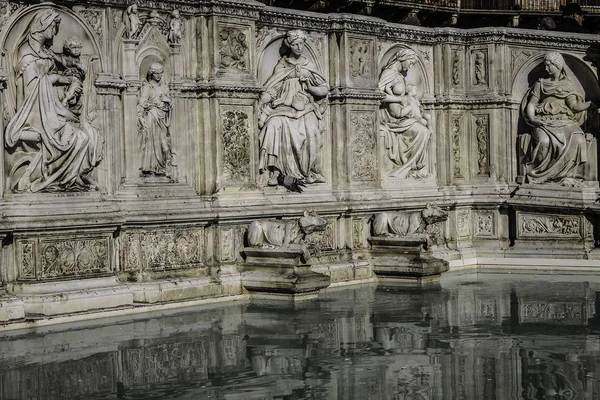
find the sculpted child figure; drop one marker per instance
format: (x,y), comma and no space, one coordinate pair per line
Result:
(72,66)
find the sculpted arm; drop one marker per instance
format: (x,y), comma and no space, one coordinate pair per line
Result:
(576,105)
(532,103)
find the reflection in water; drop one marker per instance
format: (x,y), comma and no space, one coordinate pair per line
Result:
(476,337)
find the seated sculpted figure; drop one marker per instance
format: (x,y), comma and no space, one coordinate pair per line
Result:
(405,130)
(52,147)
(291,108)
(555,108)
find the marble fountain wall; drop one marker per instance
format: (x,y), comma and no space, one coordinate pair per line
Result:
(142,142)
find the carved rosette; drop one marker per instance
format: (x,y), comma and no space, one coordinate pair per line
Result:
(45,258)
(484,223)
(540,226)
(363,146)
(233,49)
(235,135)
(463,225)
(482,136)
(162,250)
(361,58)
(456,145)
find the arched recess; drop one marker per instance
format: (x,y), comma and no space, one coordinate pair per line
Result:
(153,48)
(415,76)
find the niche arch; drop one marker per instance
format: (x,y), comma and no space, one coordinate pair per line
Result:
(415,76)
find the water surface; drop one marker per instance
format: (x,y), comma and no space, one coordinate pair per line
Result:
(474,336)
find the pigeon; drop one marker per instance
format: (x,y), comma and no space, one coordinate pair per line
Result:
(291,183)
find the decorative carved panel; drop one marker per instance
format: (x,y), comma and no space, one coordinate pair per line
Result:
(551,312)
(518,58)
(231,241)
(322,240)
(45,258)
(358,233)
(463,220)
(484,223)
(479,62)
(162,250)
(455,68)
(363,146)
(361,58)
(456,146)
(548,226)
(233,49)
(481,125)
(236,147)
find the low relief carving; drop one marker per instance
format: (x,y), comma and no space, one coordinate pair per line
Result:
(291,112)
(404,125)
(408,223)
(231,239)
(233,49)
(550,226)
(554,107)
(51,143)
(481,133)
(94,19)
(358,233)
(74,257)
(455,68)
(236,145)
(363,147)
(484,224)
(157,251)
(480,68)
(26,260)
(518,58)
(360,58)
(154,111)
(456,146)
(276,233)
(320,240)
(7,10)
(463,223)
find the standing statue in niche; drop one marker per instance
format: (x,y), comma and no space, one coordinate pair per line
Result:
(131,19)
(174,28)
(406,131)
(291,109)
(52,145)
(555,108)
(154,120)
(480,78)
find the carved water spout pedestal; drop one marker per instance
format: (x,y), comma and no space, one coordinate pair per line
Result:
(405,260)
(281,271)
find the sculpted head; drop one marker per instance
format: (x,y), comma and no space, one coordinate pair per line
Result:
(72,46)
(45,24)
(155,72)
(294,40)
(403,60)
(554,63)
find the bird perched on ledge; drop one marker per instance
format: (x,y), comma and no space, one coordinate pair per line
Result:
(291,183)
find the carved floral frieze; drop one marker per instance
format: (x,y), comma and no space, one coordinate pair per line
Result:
(162,250)
(484,223)
(482,139)
(45,258)
(236,137)
(363,146)
(233,49)
(548,226)
(456,167)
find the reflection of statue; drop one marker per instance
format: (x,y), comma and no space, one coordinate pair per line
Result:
(131,20)
(555,109)
(290,137)
(174,28)
(154,117)
(56,148)
(406,135)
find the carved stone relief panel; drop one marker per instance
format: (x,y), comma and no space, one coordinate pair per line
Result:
(463,223)
(543,226)
(363,146)
(46,258)
(361,58)
(360,232)
(237,144)
(166,249)
(481,129)
(484,224)
(518,58)
(231,239)
(456,70)
(456,156)
(589,228)
(53,145)
(479,67)
(233,48)
(322,240)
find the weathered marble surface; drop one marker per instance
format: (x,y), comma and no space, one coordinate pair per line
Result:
(99,180)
